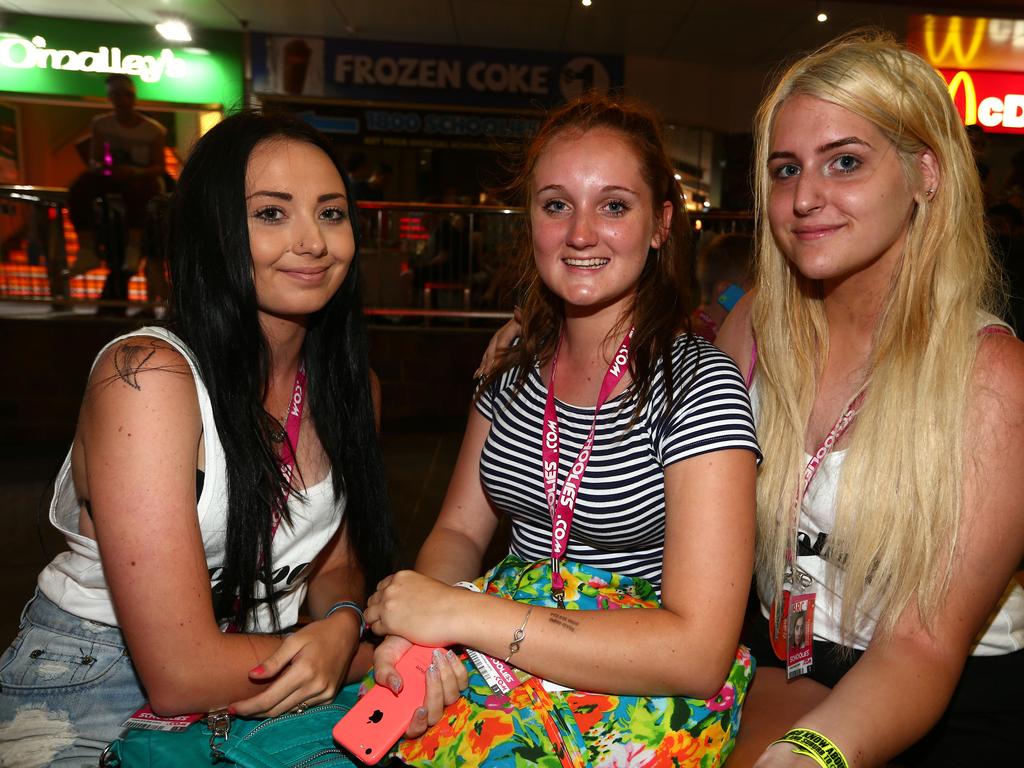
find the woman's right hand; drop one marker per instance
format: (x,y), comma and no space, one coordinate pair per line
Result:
(446,679)
(307,669)
(499,344)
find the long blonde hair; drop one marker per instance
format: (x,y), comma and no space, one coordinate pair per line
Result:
(900,496)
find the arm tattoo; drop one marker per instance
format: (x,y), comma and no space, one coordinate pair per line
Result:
(563,621)
(129,360)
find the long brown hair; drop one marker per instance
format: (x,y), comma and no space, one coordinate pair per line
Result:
(664,296)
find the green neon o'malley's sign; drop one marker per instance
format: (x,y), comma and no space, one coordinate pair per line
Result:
(65,57)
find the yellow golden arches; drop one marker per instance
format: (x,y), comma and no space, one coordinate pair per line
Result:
(953,41)
(970,95)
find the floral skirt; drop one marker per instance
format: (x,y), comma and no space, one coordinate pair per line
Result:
(572,729)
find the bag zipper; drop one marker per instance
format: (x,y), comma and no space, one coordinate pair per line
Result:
(279,718)
(312,759)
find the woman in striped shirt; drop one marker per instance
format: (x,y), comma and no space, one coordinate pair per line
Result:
(665,491)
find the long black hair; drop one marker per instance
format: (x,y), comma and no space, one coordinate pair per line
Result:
(214,310)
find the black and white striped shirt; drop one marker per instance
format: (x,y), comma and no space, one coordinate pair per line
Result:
(619,520)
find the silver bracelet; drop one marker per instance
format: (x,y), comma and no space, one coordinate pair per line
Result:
(353,606)
(518,636)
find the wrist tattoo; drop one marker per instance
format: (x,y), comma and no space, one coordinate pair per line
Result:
(563,621)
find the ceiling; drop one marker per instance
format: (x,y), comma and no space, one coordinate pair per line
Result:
(751,33)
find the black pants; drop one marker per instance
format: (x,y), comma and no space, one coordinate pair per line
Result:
(982,726)
(137,192)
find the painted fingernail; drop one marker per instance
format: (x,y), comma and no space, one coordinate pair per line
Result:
(451,656)
(432,672)
(438,655)
(256,670)
(232,711)
(420,713)
(395,683)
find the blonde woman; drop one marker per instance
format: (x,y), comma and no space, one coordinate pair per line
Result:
(889,402)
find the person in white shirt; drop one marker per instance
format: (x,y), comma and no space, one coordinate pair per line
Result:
(126,156)
(225,469)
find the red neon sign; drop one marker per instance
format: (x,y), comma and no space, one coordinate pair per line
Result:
(993,100)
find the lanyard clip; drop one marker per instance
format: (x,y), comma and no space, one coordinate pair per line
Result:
(795,576)
(557,583)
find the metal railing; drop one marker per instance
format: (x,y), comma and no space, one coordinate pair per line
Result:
(418,259)
(434,259)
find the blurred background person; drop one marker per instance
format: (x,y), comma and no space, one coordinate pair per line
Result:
(126,156)
(724,271)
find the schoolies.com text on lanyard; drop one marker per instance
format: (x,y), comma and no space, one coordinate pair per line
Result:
(561,505)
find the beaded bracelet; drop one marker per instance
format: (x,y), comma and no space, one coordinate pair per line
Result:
(352,606)
(518,636)
(816,746)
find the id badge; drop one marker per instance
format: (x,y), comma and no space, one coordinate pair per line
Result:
(799,635)
(501,677)
(795,579)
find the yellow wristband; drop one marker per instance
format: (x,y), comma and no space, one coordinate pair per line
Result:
(816,746)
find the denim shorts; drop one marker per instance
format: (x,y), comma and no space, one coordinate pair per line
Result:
(66,686)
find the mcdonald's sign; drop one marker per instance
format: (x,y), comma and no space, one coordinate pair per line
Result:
(960,42)
(993,100)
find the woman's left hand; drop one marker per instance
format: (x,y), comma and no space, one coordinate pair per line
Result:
(307,669)
(416,607)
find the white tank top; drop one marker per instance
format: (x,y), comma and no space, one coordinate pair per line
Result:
(74,579)
(1003,632)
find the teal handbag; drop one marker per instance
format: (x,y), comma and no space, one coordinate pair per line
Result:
(292,740)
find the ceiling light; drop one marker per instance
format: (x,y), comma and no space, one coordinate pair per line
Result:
(678,177)
(174,29)
(586,3)
(822,17)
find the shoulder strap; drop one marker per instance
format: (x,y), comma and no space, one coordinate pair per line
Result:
(753,363)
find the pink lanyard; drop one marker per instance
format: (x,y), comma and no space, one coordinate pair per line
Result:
(837,431)
(844,422)
(291,428)
(292,425)
(561,506)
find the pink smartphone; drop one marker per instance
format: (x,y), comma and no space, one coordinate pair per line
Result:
(381,717)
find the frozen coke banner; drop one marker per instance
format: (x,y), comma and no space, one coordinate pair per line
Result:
(361,70)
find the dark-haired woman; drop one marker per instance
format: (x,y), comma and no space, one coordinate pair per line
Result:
(663,487)
(224,470)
